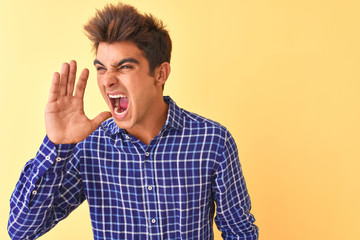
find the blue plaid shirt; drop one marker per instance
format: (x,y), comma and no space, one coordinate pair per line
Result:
(164,190)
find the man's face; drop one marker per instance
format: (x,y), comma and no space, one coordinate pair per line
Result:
(124,82)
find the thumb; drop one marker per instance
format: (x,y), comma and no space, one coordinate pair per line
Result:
(100,118)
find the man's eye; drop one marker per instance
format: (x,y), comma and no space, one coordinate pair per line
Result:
(100,68)
(126,67)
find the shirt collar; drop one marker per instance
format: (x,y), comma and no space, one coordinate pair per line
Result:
(174,119)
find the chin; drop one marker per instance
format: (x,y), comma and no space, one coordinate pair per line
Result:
(123,124)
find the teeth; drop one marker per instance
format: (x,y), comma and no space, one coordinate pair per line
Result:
(117,96)
(116,101)
(117,113)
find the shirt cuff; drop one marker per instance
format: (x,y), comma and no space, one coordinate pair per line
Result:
(49,159)
(50,154)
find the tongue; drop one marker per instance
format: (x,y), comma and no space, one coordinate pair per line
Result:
(124,102)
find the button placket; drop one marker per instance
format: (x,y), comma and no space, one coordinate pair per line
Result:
(151,197)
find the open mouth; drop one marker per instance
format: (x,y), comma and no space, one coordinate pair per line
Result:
(119,103)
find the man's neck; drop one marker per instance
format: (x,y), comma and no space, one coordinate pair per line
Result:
(148,130)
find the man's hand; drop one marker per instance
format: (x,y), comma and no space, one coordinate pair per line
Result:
(65,119)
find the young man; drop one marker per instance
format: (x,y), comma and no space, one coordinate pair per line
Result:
(152,171)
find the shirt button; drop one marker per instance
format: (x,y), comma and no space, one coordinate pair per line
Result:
(58,159)
(127,137)
(153,220)
(34,192)
(147,154)
(150,188)
(47,157)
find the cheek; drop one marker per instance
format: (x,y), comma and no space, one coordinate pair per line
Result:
(102,89)
(100,85)
(99,82)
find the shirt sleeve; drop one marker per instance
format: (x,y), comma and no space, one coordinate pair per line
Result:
(49,188)
(233,217)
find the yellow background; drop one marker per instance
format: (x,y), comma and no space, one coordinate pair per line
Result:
(282,75)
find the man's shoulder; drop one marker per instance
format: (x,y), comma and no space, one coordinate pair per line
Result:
(189,121)
(195,121)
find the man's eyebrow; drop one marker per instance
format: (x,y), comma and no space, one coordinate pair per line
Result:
(98,62)
(126,60)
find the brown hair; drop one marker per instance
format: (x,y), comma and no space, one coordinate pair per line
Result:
(121,22)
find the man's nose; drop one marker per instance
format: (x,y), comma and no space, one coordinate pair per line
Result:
(111,79)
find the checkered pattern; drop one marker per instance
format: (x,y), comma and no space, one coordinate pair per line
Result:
(164,190)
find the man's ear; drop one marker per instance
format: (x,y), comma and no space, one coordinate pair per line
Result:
(162,73)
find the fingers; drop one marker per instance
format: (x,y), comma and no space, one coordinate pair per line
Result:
(81,85)
(63,84)
(71,79)
(54,90)
(64,75)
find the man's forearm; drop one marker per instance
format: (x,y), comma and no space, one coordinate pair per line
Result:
(31,214)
